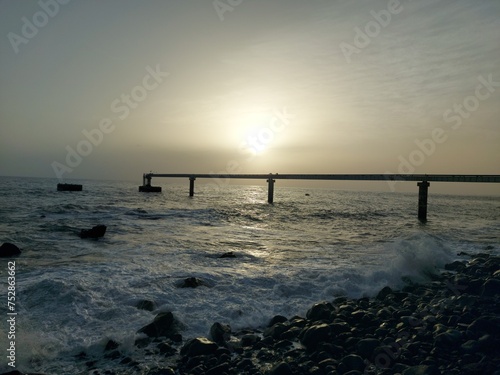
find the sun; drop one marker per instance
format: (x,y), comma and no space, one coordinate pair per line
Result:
(256,133)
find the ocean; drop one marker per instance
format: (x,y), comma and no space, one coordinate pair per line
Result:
(73,295)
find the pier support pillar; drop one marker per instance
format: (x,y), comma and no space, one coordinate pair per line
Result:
(270,190)
(191,186)
(423,188)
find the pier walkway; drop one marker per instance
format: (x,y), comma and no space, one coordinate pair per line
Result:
(423,181)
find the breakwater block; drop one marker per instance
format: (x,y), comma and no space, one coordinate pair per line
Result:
(69,187)
(150,189)
(96,232)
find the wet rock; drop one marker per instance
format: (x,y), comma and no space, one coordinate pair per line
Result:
(351,362)
(315,335)
(95,232)
(282,368)
(455,266)
(163,325)
(249,339)
(199,346)
(320,311)
(366,347)
(111,345)
(220,333)
(277,319)
(490,288)
(9,250)
(147,305)
(191,282)
(384,293)
(449,339)
(422,370)
(229,254)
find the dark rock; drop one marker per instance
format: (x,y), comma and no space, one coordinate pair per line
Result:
(146,305)
(491,288)
(282,368)
(275,331)
(366,347)
(220,333)
(191,282)
(161,371)
(249,339)
(384,293)
(455,266)
(96,232)
(484,325)
(9,250)
(111,345)
(449,339)
(277,319)
(320,311)
(163,325)
(315,335)
(351,362)
(199,346)
(422,370)
(229,254)
(223,368)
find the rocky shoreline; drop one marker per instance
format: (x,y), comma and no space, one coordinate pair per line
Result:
(450,325)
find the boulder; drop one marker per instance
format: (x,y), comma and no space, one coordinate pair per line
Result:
(163,325)
(9,250)
(199,346)
(220,333)
(147,305)
(96,232)
(320,311)
(315,335)
(191,282)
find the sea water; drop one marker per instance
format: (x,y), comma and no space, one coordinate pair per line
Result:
(73,295)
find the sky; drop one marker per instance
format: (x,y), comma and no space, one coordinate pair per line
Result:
(112,89)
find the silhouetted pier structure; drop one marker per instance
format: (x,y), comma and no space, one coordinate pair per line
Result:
(422,179)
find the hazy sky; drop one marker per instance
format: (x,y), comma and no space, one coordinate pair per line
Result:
(112,89)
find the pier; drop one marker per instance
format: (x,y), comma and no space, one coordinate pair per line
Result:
(423,181)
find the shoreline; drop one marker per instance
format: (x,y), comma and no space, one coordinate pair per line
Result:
(449,325)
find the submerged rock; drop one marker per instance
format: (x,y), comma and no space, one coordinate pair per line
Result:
(229,254)
(96,232)
(9,250)
(147,305)
(191,282)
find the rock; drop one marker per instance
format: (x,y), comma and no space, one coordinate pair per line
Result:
(163,325)
(96,232)
(351,362)
(9,250)
(146,305)
(282,368)
(199,346)
(249,339)
(384,293)
(220,333)
(277,319)
(191,282)
(320,311)
(229,254)
(455,266)
(366,347)
(490,288)
(422,370)
(449,339)
(484,325)
(315,335)
(111,345)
